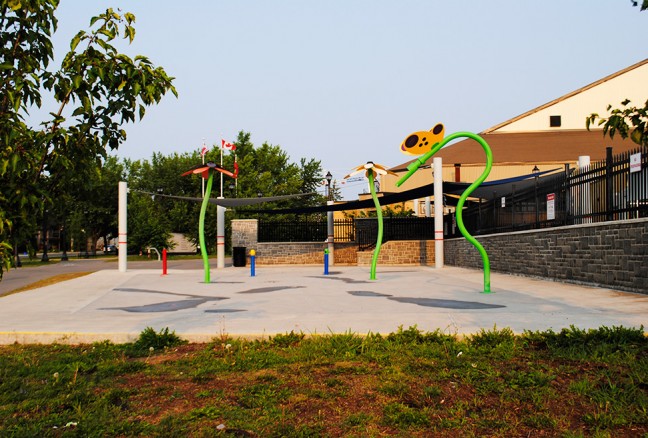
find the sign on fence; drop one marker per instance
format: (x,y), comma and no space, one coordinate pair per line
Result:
(551,206)
(635,162)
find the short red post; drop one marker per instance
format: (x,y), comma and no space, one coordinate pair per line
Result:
(164,261)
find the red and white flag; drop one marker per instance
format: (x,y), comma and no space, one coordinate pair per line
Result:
(227,145)
(203,151)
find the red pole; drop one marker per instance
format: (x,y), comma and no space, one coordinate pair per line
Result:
(164,261)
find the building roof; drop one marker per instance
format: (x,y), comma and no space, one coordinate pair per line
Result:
(566,96)
(532,147)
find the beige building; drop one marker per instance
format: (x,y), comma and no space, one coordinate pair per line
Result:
(550,136)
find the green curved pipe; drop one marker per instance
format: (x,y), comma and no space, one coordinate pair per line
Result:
(374,259)
(201,226)
(413,167)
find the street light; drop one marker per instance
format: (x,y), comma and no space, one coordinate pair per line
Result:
(328,177)
(45,257)
(63,243)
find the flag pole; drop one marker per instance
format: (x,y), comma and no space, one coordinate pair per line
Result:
(221,173)
(202,153)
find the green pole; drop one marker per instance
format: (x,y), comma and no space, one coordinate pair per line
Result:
(462,199)
(201,226)
(374,259)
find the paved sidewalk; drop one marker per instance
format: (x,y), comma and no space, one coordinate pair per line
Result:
(118,306)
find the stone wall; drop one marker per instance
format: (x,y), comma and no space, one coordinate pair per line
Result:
(290,253)
(401,252)
(244,233)
(610,254)
(346,253)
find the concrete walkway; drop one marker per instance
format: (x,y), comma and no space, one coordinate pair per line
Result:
(118,306)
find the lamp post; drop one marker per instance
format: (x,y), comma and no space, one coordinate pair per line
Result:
(45,257)
(328,177)
(330,226)
(63,235)
(537,206)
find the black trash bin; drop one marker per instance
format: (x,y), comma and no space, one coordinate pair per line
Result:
(239,259)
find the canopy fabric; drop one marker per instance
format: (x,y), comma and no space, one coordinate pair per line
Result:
(231,202)
(487,190)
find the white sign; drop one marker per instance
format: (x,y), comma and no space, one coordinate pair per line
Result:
(635,162)
(551,206)
(503,202)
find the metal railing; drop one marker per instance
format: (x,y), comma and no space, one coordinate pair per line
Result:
(604,191)
(304,230)
(613,189)
(394,228)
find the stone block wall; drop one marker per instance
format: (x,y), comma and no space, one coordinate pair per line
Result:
(290,253)
(401,252)
(346,253)
(244,233)
(609,254)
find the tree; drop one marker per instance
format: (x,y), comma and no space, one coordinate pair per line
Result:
(97,89)
(628,121)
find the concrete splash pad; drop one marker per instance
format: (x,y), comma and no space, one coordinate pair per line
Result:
(118,306)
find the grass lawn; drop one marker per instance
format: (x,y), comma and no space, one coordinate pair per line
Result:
(572,383)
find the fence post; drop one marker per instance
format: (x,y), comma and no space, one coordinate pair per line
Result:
(330,229)
(437,164)
(537,204)
(584,192)
(609,186)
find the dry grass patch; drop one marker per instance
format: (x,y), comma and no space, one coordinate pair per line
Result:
(49,281)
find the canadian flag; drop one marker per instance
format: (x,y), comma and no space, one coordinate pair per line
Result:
(228,145)
(203,151)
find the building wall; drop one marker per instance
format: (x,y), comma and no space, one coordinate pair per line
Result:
(610,254)
(575,108)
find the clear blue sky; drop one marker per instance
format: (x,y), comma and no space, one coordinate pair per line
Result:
(344,81)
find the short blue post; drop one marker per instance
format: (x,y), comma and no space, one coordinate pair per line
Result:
(326,258)
(252,257)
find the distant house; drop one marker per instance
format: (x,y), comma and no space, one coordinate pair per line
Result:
(551,136)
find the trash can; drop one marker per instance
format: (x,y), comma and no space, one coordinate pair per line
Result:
(239,259)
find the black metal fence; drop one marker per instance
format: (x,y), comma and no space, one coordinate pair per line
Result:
(613,189)
(304,230)
(394,228)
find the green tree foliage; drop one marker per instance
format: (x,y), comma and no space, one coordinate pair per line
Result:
(152,217)
(97,89)
(627,121)
(266,171)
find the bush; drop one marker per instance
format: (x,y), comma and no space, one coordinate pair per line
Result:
(149,340)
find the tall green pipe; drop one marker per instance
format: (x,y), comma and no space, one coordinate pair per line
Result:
(413,167)
(201,226)
(374,259)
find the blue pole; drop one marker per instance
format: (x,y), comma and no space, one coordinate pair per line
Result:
(252,259)
(326,260)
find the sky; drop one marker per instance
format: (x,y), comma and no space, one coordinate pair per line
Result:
(345,81)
